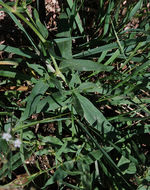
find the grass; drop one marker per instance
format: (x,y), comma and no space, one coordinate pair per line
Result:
(76,99)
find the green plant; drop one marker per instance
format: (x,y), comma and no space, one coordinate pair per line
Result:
(91,97)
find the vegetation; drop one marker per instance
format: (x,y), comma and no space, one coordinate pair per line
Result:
(75,102)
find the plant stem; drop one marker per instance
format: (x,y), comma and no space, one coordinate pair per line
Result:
(16,4)
(5,6)
(58,72)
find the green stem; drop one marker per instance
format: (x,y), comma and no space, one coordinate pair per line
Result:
(27,12)
(118,41)
(58,72)
(6,6)
(47,120)
(16,3)
(72,120)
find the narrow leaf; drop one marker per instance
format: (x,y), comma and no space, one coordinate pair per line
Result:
(83,65)
(92,114)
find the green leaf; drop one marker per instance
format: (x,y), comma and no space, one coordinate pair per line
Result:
(4,146)
(42,29)
(135,8)
(68,165)
(123,160)
(75,15)
(65,48)
(108,16)
(143,187)
(18,51)
(88,87)
(92,114)
(38,68)
(59,175)
(141,67)
(13,74)
(53,102)
(34,98)
(52,140)
(42,152)
(28,135)
(65,41)
(75,80)
(111,46)
(8,74)
(91,157)
(131,169)
(113,57)
(20,126)
(83,65)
